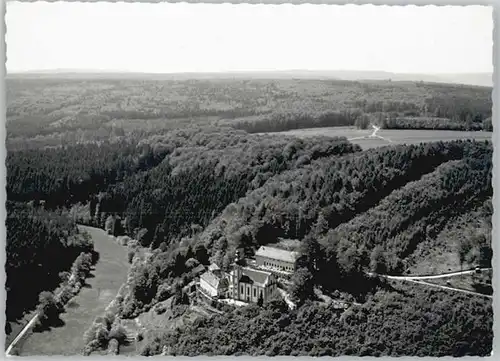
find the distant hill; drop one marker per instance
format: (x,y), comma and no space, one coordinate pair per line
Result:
(477,79)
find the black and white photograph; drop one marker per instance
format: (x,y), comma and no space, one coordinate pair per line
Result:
(202,180)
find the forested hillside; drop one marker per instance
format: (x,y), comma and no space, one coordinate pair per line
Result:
(327,194)
(208,169)
(182,168)
(404,189)
(337,188)
(465,241)
(393,322)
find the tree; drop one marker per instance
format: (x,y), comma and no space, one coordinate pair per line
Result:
(311,253)
(485,256)
(49,308)
(163,246)
(362,122)
(487,125)
(201,254)
(64,276)
(102,335)
(130,256)
(302,287)
(377,260)
(117,227)
(260,301)
(348,258)
(118,333)
(109,225)
(143,237)
(463,250)
(320,226)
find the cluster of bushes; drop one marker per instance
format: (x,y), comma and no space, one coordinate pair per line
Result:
(163,275)
(106,332)
(50,306)
(73,282)
(48,310)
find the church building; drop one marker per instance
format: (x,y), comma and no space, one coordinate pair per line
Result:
(248,284)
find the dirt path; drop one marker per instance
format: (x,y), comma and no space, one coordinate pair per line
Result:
(109,274)
(430,277)
(452,289)
(421,280)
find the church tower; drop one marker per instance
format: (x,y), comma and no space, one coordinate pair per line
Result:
(235,276)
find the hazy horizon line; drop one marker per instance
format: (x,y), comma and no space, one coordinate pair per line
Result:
(124,71)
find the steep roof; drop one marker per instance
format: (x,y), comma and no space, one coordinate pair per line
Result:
(198,269)
(255,276)
(213,267)
(278,254)
(211,279)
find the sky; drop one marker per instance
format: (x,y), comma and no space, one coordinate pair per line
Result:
(181,37)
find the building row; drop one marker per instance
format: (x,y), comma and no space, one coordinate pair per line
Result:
(249,280)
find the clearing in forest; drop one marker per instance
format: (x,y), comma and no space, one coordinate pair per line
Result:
(396,136)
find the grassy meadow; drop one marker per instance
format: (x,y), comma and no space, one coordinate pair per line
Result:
(396,136)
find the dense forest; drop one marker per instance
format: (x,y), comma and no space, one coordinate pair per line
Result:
(205,173)
(338,189)
(186,170)
(326,194)
(89,110)
(193,174)
(40,245)
(71,174)
(396,321)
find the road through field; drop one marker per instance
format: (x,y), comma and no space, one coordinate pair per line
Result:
(109,274)
(396,136)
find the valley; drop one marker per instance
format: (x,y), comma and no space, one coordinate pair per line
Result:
(106,279)
(251,216)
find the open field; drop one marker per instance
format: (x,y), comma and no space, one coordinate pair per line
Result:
(109,274)
(396,136)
